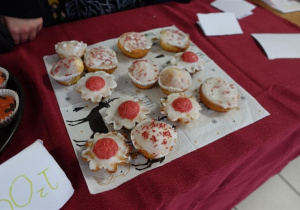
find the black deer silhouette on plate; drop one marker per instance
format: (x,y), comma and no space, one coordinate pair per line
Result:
(94,118)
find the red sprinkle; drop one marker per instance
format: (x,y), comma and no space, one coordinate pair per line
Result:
(95,83)
(105,148)
(129,109)
(189,57)
(182,104)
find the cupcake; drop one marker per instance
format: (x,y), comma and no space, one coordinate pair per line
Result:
(218,95)
(95,86)
(67,71)
(143,73)
(153,139)
(9,104)
(174,80)
(179,107)
(4,76)
(134,45)
(126,112)
(174,40)
(100,59)
(106,151)
(188,61)
(67,49)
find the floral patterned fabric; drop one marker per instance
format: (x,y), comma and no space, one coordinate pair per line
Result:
(68,10)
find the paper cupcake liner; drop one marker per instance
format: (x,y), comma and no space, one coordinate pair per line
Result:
(3,85)
(65,79)
(168,89)
(7,92)
(142,84)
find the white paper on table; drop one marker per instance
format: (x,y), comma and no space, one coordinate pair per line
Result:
(210,126)
(240,8)
(284,6)
(218,24)
(32,179)
(280,45)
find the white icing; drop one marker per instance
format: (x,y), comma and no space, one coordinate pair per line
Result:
(96,96)
(174,79)
(120,157)
(220,92)
(190,67)
(143,72)
(71,48)
(174,37)
(155,137)
(133,40)
(101,58)
(174,115)
(66,67)
(112,115)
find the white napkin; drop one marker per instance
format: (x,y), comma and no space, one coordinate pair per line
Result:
(218,24)
(210,126)
(32,179)
(240,8)
(280,45)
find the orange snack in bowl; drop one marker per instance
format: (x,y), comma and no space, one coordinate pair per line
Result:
(7,106)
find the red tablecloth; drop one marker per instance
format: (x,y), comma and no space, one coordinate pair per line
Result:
(217,176)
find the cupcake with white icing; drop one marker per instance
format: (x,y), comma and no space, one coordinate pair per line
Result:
(96,86)
(100,59)
(174,40)
(106,151)
(134,44)
(188,61)
(143,73)
(218,94)
(67,71)
(72,48)
(174,80)
(153,139)
(126,112)
(179,107)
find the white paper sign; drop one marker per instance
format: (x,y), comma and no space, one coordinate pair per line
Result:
(84,118)
(33,180)
(240,8)
(218,24)
(280,45)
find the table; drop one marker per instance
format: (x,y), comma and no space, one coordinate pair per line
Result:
(293,17)
(217,176)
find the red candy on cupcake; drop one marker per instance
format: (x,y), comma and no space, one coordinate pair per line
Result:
(189,57)
(126,112)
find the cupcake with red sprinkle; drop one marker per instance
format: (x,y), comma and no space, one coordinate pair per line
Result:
(106,151)
(126,112)
(179,107)
(100,59)
(174,40)
(153,139)
(134,44)
(188,61)
(143,73)
(67,71)
(96,86)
